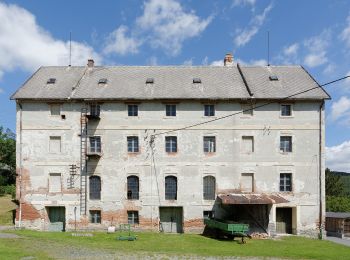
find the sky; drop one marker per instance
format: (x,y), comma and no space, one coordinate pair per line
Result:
(313,33)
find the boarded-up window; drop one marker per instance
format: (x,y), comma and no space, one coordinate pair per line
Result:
(55,109)
(55,182)
(247,182)
(55,144)
(247,144)
(247,109)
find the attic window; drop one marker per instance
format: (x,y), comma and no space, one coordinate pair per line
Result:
(51,81)
(149,80)
(197,80)
(102,81)
(273,78)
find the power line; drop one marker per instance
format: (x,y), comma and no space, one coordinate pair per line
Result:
(262,105)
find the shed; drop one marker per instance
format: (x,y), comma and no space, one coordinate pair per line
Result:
(338,224)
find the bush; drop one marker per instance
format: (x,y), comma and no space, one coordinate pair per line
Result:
(9,189)
(2,190)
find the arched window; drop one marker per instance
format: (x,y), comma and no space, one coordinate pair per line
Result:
(170,188)
(133,187)
(209,188)
(95,188)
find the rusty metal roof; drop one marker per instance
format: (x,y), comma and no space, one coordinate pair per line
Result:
(249,198)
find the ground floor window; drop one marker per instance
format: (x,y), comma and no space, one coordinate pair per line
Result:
(95,216)
(208,214)
(133,217)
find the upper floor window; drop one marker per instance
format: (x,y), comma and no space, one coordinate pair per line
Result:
(95,216)
(170,110)
(171,144)
(170,188)
(55,182)
(95,144)
(133,144)
(247,144)
(285,182)
(286,110)
(133,110)
(209,110)
(55,144)
(209,144)
(209,188)
(133,187)
(95,188)
(55,109)
(95,110)
(247,109)
(286,144)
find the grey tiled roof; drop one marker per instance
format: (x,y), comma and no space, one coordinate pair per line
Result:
(170,82)
(338,214)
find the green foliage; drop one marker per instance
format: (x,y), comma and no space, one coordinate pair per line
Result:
(334,184)
(7,157)
(9,189)
(337,204)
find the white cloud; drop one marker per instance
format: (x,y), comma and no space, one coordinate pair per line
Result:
(244,36)
(217,63)
(337,157)
(205,61)
(244,3)
(168,25)
(188,62)
(340,109)
(119,43)
(345,34)
(259,62)
(1,90)
(291,50)
(317,49)
(152,61)
(26,45)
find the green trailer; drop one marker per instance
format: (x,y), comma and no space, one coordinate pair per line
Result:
(231,230)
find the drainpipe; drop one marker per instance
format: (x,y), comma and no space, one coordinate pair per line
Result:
(20,167)
(320,170)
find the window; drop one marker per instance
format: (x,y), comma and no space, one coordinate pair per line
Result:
(95,188)
(133,110)
(285,182)
(208,214)
(247,144)
(273,78)
(171,144)
(95,144)
(209,110)
(209,188)
(55,182)
(133,144)
(133,187)
(247,109)
(55,144)
(95,216)
(247,182)
(51,81)
(286,110)
(55,109)
(95,110)
(170,110)
(286,144)
(197,80)
(209,144)
(133,217)
(170,188)
(102,81)
(149,80)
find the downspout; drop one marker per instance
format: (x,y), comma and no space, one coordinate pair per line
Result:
(20,167)
(320,170)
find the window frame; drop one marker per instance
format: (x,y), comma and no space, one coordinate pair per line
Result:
(290,110)
(246,107)
(209,187)
(170,145)
(284,148)
(247,137)
(170,110)
(209,148)
(133,110)
(131,144)
(170,187)
(95,188)
(52,105)
(284,186)
(95,109)
(208,214)
(95,218)
(95,144)
(55,137)
(209,110)
(133,187)
(133,217)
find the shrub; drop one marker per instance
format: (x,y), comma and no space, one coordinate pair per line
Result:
(8,189)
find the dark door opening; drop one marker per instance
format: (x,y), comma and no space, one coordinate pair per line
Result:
(284,220)
(57,217)
(170,219)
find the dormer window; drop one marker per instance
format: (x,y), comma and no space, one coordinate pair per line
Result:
(273,78)
(102,81)
(51,81)
(149,80)
(197,80)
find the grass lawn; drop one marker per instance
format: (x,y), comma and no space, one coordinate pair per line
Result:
(45,245)
(6,207)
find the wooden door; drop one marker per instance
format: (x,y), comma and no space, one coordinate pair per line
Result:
(284,220)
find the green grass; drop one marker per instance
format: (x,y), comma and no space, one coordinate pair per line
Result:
(168,244)
(6,207)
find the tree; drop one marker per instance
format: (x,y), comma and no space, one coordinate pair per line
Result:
(7,157)
(334,184)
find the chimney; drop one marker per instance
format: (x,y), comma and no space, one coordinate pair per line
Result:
(90,63)
(228,61)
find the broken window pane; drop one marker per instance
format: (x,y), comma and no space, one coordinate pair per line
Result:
(209,188)
(170,188)
(133,188)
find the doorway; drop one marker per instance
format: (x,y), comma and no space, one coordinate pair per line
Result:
(170,219)
(284,220)
(57,218)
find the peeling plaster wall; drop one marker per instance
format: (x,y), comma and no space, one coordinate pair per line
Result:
(189,164)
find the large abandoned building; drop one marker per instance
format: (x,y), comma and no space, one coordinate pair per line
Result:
(163,147)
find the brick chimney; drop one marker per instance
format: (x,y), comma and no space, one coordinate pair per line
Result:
(90,63)
(228,61)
